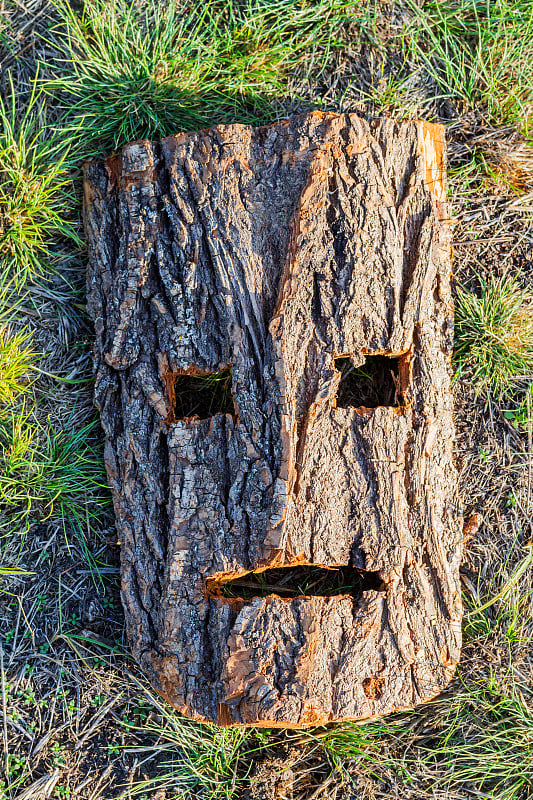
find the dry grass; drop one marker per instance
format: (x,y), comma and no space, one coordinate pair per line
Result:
(79,722)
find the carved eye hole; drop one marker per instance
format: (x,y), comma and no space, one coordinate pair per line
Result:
(371,385)
(202,396)
(302,580)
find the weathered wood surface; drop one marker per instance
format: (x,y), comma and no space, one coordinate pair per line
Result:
(275,250)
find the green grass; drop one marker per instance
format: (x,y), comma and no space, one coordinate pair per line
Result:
(483,737)
(17,364)
(494,334)
(6,36)
(501,607)
(479,736)
(135,73)
(48,473)
(44,472)
(480,53)
(354,744)
(34,191)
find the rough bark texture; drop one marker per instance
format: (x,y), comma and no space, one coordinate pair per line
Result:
(275,251)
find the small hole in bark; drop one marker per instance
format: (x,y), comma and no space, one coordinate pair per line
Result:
(306,580)
(373,687)
(371,385)
(203,396)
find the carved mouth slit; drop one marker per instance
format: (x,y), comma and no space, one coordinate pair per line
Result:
(374,384)
(306,580)
(202,396)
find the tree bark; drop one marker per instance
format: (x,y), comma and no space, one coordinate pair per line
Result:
(274,252)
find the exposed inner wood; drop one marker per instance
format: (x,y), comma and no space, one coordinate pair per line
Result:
(303,580)
(274,252)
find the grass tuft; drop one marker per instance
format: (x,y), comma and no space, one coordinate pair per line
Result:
(33,191)
(512,171)
(494,334)
(480,53)
(483,738)
(16,364)
(47,473)
(354,743)
(134,72)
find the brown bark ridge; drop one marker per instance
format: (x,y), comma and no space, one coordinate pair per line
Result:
(274,252)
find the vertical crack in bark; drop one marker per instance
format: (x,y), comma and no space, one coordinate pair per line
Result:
(165,486)
(411,252)
(305,411)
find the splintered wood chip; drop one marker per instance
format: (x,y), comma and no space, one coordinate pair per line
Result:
(273,335)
